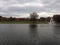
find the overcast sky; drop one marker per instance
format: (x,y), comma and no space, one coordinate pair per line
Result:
(22,8)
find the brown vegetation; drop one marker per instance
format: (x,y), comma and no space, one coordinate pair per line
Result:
(56,18)
(2,19)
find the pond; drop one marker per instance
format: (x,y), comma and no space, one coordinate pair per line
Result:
(29,34)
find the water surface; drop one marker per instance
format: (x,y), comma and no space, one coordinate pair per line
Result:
(29,34)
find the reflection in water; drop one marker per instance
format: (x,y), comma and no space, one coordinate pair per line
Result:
(57,30)
(34,34)
(56,34)
(29,34)
(33,30)
(57,25)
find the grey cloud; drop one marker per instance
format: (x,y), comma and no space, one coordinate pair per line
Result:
(27,9)
(54,4)
(49,6)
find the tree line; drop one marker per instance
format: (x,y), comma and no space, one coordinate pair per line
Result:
(56,18)
(23,19)
(33,17)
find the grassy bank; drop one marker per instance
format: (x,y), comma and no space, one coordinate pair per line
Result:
(23,22)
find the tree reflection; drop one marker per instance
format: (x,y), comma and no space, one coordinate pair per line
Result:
(56,34)
(33,30)
(57,30)
(34,34)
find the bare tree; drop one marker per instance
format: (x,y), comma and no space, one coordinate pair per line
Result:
(33,16)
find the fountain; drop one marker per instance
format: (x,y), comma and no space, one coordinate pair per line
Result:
(54,23)
(51,21)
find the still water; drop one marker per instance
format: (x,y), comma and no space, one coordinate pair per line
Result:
(29,34)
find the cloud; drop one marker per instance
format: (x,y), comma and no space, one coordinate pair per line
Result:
(28,4)
(18,7)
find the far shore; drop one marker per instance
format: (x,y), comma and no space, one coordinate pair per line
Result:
(23,22)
